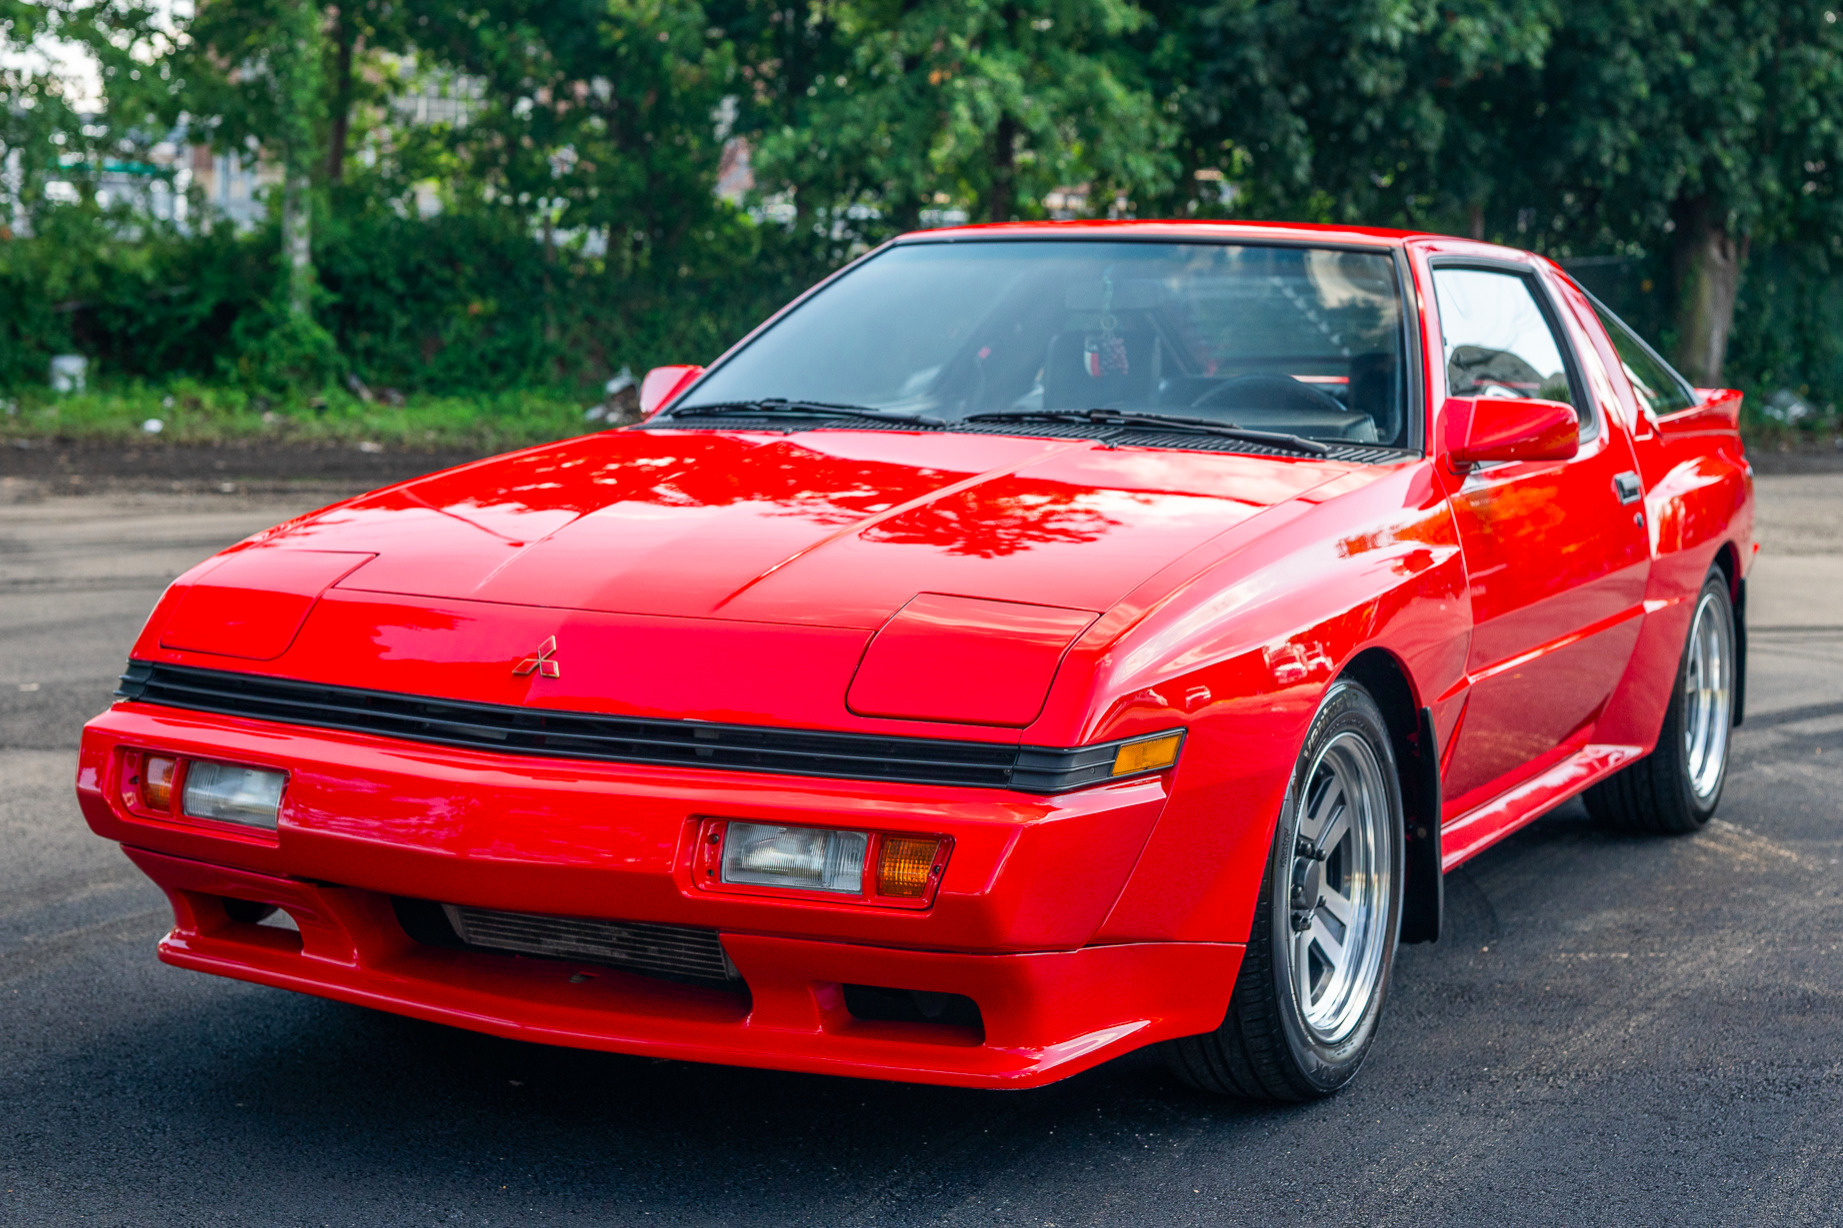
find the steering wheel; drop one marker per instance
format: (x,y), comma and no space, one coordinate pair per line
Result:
(1281,392)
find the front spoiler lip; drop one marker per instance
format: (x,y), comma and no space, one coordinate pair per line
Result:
(1047,1014)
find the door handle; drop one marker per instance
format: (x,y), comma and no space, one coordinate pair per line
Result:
(1628,487)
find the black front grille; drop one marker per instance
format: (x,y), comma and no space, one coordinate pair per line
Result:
(679,951)
(549,733)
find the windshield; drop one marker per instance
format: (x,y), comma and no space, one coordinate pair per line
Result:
(1306,341)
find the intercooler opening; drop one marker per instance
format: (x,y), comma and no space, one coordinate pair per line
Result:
(669,952)
(881,1004)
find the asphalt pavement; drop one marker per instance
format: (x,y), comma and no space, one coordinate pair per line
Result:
(1611,1030)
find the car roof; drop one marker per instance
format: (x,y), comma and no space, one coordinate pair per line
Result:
(1182,228)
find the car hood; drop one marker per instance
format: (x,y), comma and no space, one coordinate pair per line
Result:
(836,528)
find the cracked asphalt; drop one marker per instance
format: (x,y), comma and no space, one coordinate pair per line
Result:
(1611,1030)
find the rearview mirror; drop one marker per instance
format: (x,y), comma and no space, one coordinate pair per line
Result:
(1482,429)
(662,384)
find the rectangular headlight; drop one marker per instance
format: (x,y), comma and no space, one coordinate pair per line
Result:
(244,795)
(805,858)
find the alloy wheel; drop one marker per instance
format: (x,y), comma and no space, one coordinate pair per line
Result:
(1340,888)
(1708,696)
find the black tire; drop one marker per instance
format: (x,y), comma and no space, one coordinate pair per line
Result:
(1658,794)
(1265,1049)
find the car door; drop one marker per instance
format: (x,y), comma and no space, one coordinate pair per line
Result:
(1556,552)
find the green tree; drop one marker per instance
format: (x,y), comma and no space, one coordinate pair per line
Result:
(250,79)
(595,115)
(888,108)
(34,117)
(1385,112)
(46,134)
(1699,126)
(355,74)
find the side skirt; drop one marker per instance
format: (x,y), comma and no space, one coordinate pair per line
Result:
(1483,826)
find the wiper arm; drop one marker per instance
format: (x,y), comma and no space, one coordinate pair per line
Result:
(781,406)
(1115,417)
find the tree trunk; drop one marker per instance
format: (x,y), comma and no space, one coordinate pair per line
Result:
(345,30)
(1475,220)
(296,66)
(1708,260)
(1004,167)
(297,239)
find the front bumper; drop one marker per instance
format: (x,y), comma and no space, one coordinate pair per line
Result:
(367,819)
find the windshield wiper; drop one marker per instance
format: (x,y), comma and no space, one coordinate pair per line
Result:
(782,407)
(1116,417)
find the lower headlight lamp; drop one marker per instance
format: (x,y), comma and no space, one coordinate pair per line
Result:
(806,858)
(231,794)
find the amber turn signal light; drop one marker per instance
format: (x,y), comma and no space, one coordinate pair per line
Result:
(905,864)
(157,782)
(1148,755)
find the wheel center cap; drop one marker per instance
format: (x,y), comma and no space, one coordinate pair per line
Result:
(1308,887)
(1310,880)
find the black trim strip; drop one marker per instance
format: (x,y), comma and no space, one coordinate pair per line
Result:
(554,734)
(1114,435)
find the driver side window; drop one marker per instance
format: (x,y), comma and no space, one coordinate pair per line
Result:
(1499,342)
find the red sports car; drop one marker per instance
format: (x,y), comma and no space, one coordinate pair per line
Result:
(1033,643)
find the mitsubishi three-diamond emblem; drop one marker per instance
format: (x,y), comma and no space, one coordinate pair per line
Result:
(544,664)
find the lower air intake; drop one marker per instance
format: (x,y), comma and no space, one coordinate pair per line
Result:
(676,951)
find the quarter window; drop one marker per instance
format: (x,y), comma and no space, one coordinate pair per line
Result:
(1661,389)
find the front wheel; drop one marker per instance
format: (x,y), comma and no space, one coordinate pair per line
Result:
(1312,981)
(1675,788)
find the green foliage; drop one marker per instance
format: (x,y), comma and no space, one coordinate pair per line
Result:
(1645,107)
(1689,129)
(191,411)
(465,300)
(164,303)
(252,72)
(594,113)
(577,231)
(1385,112)
(277,345)
(1792,306)
(989,106)
(461,302)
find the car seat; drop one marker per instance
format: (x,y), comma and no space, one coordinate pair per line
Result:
(1090,369)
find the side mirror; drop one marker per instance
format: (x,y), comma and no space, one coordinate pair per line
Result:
(661,385)
(1505,429)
